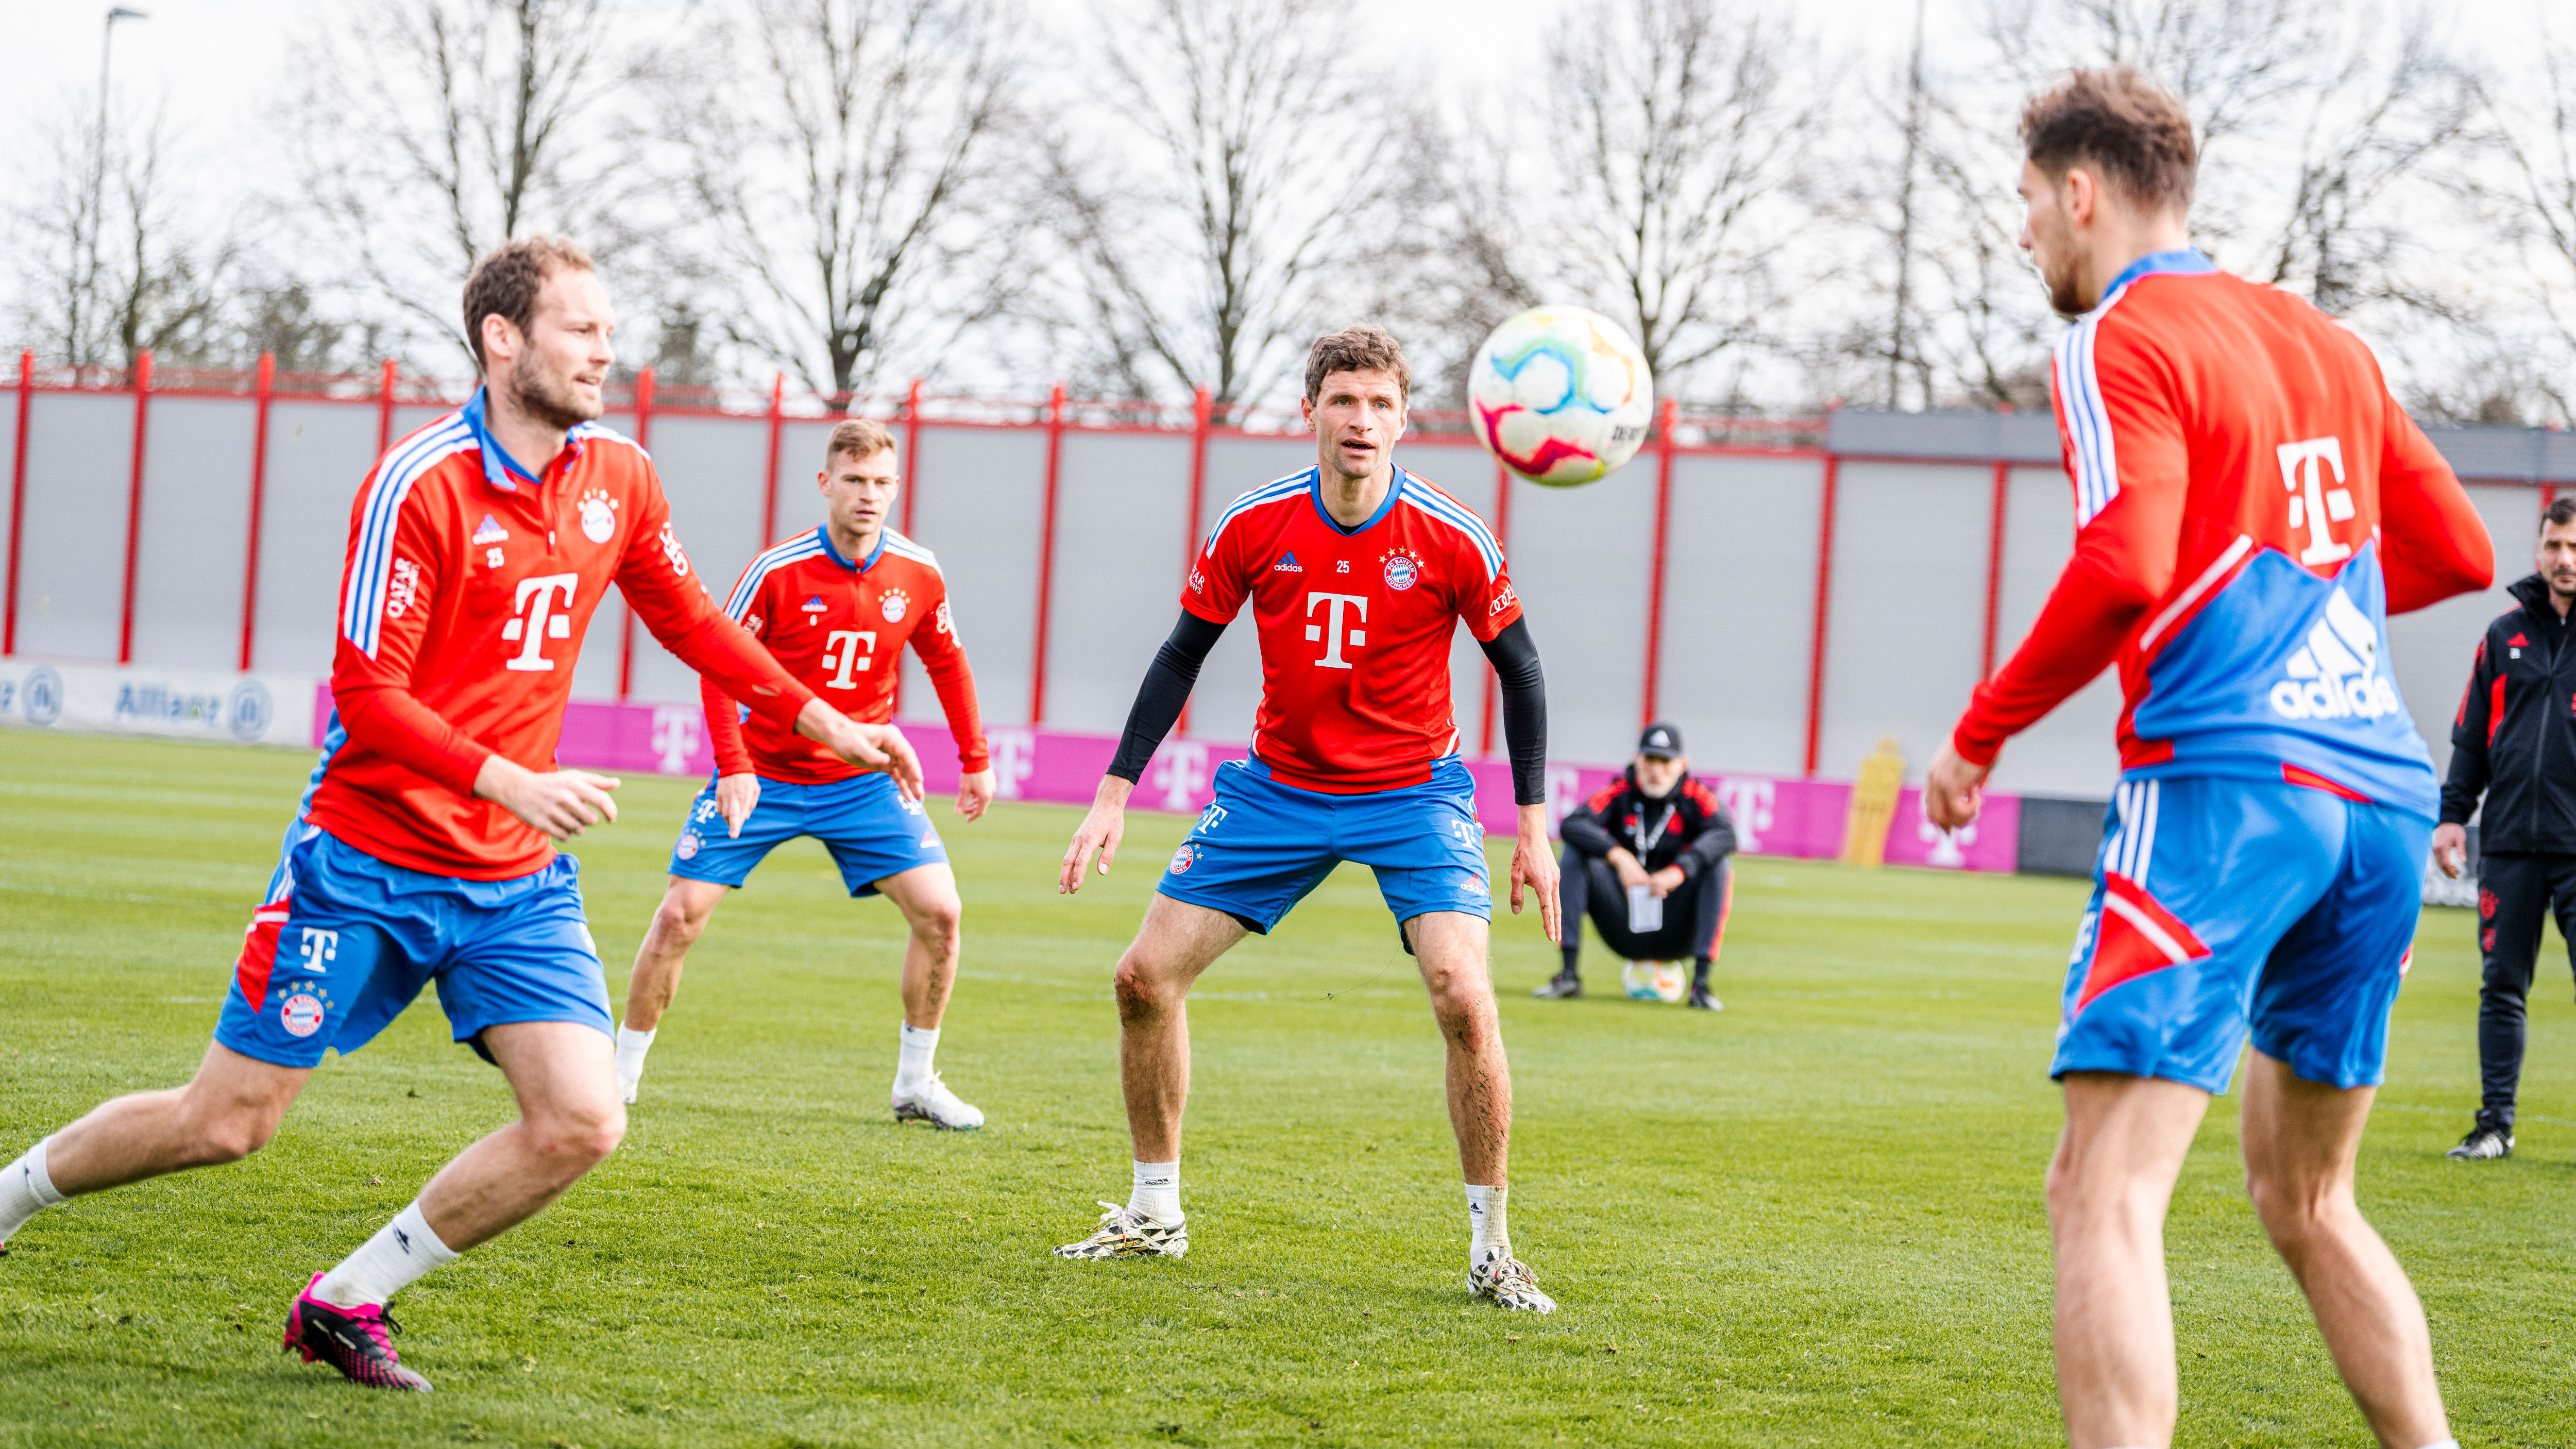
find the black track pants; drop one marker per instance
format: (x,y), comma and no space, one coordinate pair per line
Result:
(1694,916)
(2513,892)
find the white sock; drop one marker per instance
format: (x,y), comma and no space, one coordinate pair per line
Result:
(26,1189)
(631,1047)
(400,1251)
(1486,1228)
(912,1064)
(1158,1191)
(2445,1444)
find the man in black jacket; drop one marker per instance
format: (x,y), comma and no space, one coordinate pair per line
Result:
(2515,742)
(1659,831)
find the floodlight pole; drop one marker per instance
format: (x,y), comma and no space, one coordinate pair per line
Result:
(98,144)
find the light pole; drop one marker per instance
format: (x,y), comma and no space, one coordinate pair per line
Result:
(98,165)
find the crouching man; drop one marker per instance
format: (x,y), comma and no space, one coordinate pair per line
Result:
(1660,833)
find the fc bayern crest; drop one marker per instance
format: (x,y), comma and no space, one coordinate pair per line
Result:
(688,846)
(301,1014)
(1402,572)
(598,515)
(1183,859)
(893,606)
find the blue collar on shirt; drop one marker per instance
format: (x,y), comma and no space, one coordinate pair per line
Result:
(1315,494)
(2185,262)
(500,469)
(823,535)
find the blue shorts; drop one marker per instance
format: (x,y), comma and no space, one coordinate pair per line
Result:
(2220,904)
(1261,846)
(871,830)
(344,941)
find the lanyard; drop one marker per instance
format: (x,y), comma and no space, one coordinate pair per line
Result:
(1646,841)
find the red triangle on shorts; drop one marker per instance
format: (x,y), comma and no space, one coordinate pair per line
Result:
(2135,935)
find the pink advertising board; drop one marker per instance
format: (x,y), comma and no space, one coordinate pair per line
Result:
(1773,816)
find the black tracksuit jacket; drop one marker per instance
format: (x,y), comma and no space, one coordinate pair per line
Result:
(1687,827)
(2515,738)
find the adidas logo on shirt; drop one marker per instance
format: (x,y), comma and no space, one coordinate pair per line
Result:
(1288,565)
(489,531)
(2335,675)
(815,605)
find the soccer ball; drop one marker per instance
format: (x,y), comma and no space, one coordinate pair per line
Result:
(1561,396)
(1653,980)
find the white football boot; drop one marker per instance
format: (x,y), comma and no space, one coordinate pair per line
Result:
(1124,1234)
(939,1107)
(628,1086)
(1507,1280)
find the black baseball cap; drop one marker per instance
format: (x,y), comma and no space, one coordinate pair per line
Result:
(1660,741)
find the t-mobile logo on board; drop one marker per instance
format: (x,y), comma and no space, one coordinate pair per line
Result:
(1330,633)
(538,621)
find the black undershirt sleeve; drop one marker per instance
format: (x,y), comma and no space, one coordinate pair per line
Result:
(1165,690)
(1514,656)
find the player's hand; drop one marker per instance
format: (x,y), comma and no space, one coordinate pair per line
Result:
(735,795)
(1099,832)
(1666,881)
(2451,849)
(974,792)
(1953,790)
(868,746)
(1534,867)
(1631,873)
(559,803)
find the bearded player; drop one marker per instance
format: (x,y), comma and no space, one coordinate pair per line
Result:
(479,548)
(836,605)
(2250,505)
(1357,573)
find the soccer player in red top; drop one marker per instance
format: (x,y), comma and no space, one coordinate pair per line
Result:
(424,849)
(2250,506)
(1357,574)
(774,787)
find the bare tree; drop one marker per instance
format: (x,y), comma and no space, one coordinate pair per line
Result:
(1218,200)
(1688,122)
(849,175)
(115,257)
(428,132)
(2528,125)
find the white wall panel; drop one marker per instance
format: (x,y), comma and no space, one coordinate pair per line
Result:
(1739,610)
(1908,614)
(80,462)
(1121,538)
(978,495)
(196,528)
(1580,563)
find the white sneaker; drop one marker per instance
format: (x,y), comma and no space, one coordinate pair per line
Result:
(1507,1281)
(1124,1234)
(941,1108)
(627,1086)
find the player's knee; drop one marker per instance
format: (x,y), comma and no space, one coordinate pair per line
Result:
(677,925)
(584,1137)
(1142,994)
(937,924)
(230,1136)
(2292,1211)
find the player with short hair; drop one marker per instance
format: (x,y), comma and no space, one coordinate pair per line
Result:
(423,848)
(835,605)
(2250,505)
(1357,573)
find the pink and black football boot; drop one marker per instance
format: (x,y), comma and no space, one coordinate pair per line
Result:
(356,1341)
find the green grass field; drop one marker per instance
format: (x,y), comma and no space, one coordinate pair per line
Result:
(1814,1219)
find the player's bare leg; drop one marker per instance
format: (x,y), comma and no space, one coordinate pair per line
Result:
(687,906)
(1450,947)
(927,897)
(569,1121)
(2108,1189)
(2300,1141)
(228,1111)
(1177,942)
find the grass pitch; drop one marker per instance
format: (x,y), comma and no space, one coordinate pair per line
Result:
(1814,1219)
